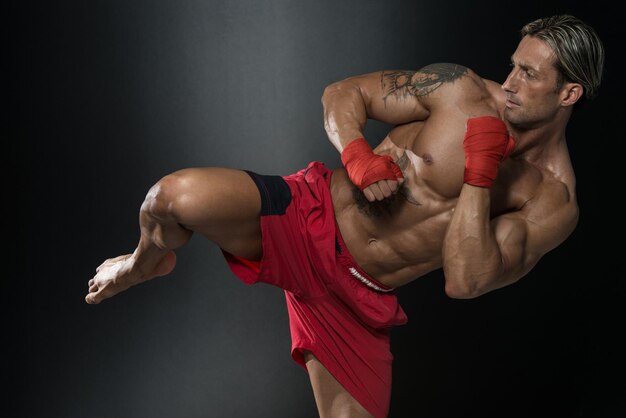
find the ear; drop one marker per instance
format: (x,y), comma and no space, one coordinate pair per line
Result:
(570,93)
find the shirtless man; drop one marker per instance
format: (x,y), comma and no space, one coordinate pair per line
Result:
(475,178)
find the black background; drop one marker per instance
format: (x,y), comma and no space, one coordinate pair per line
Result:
(103,98)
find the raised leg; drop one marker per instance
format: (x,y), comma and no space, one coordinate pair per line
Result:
(332,399)
(222,204)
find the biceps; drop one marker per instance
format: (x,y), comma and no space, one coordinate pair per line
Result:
(407,93)
(391,96)
(518,250)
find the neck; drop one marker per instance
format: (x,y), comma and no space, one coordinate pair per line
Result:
(537,144)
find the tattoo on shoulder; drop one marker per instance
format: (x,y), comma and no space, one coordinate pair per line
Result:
(406,84)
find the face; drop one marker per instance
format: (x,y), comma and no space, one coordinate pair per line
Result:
(531,95)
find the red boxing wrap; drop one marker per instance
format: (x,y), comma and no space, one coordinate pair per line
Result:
(364,167)
(486,143)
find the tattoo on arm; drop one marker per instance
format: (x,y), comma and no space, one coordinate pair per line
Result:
(403,163)
(407,84)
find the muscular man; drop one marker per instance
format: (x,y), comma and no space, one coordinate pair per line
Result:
(475,178)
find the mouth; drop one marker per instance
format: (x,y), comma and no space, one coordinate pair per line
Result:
(511,104)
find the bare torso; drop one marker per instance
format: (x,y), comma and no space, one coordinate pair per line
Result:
(400,240)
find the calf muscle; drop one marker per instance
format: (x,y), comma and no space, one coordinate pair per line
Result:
(222,204)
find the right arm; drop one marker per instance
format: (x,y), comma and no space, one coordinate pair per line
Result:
(393,97)
(349,103)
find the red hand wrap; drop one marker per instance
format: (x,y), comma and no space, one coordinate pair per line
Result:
(364,167)
(486,143)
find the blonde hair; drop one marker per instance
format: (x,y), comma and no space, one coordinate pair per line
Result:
(578,49)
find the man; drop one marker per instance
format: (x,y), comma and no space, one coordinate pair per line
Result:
(475,178)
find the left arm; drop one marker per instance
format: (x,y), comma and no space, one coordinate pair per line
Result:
(481,255)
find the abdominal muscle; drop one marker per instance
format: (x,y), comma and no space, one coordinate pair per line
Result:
(403,240)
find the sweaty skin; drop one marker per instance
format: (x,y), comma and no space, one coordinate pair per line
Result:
(529,211)
(398,230)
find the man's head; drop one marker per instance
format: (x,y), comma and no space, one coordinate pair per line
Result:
(577,47)
(558,62)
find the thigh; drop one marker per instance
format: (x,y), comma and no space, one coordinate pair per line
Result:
(332,399)
(220,203)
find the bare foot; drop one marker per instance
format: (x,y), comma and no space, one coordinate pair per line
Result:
(118,274)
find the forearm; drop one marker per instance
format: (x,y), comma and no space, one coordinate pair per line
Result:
(345,113)
(471,255)
(348,104)
(472,260)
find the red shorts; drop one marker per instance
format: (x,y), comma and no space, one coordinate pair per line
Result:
(336,310)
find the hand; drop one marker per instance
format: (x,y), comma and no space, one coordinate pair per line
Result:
(382,189)
(486,144)
(378,174)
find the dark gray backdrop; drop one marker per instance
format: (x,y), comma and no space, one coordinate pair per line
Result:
(105,97)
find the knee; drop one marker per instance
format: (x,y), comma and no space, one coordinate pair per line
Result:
(166,195)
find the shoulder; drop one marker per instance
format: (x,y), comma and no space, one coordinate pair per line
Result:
(450,72)
(546,220)
(553,211)
(443,79)
(445,71)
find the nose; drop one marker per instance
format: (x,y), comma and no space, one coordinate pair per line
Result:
(510,82)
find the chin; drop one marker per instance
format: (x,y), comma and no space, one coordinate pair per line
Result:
(514,119)
(508,115)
